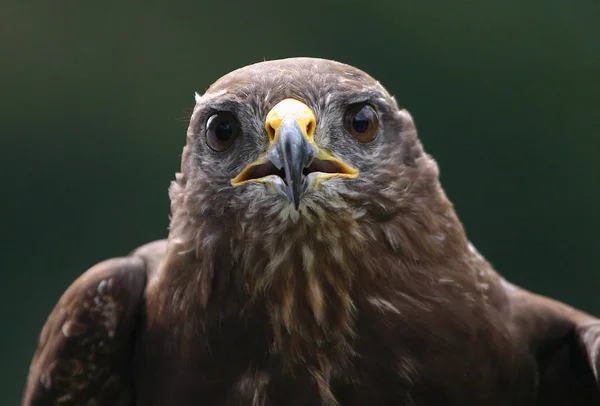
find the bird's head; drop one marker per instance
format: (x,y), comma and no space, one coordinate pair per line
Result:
(293,171)
(296,136)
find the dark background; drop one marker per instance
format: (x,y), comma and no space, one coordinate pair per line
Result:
(96,98)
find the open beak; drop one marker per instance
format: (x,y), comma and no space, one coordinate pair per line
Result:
(293,162)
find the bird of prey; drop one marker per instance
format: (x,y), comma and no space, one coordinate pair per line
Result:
(312,258)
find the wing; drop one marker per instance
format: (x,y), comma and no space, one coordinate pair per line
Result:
(565,343)
(85,352)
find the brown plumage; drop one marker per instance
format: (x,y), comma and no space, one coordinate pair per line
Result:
(313,259)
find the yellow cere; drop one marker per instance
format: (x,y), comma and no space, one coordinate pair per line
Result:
(291,108)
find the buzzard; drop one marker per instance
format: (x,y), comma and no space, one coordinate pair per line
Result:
(313,258)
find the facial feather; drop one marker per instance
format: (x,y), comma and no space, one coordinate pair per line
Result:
(306,268)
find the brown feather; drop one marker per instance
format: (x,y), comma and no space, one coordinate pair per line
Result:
(370,293)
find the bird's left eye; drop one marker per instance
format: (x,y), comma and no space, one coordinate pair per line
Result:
(361,121)
(221,131)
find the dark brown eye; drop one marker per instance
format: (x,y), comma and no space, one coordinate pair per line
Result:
(221,131)
(361,121)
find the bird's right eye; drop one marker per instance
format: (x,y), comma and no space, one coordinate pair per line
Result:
(222,129)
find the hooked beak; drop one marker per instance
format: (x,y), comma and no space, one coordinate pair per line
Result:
(292,152)
(293,161)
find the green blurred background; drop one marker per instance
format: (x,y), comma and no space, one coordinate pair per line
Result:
(96,98)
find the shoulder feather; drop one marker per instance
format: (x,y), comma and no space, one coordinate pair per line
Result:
(85,349)
(565,343)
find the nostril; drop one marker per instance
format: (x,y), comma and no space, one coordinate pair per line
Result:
(270,131)
(310,128)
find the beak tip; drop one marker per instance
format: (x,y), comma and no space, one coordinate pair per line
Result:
(294,196)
